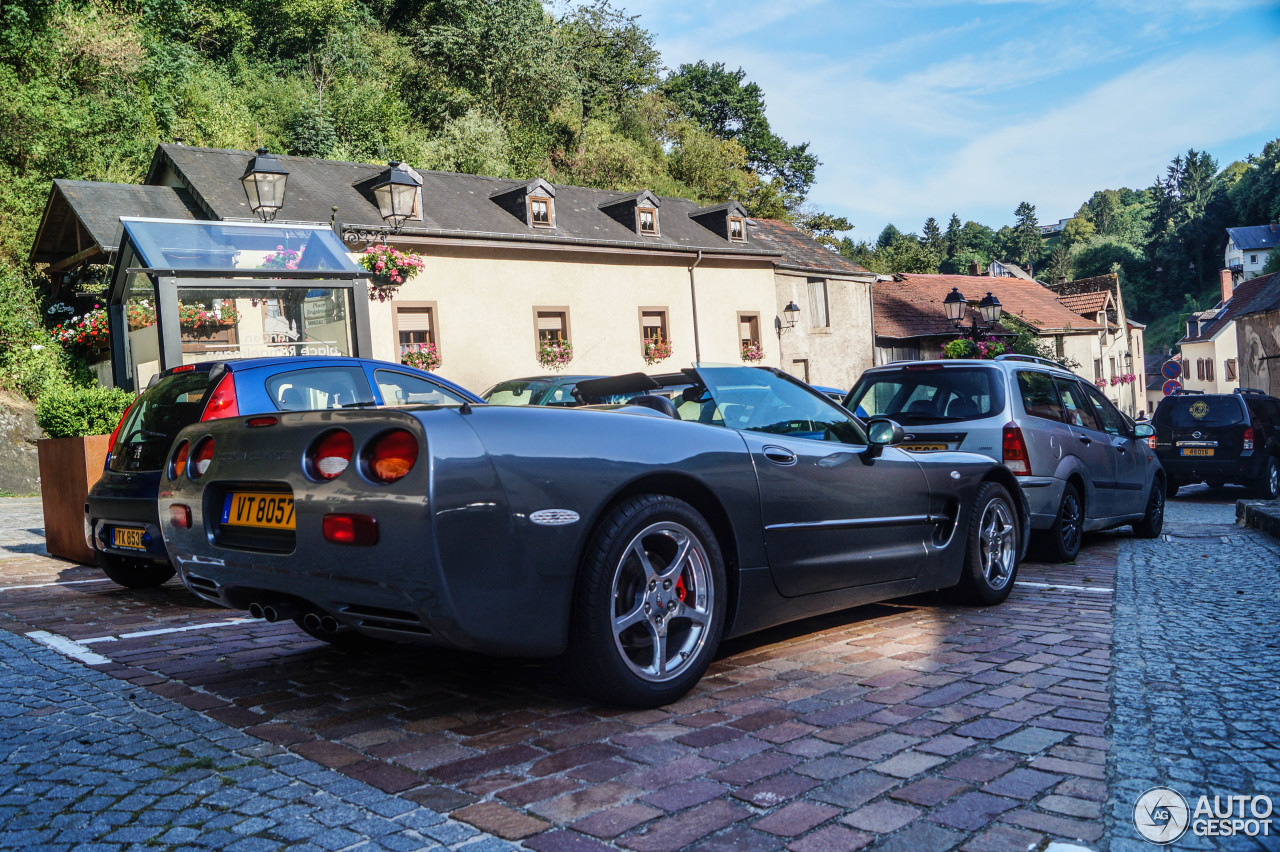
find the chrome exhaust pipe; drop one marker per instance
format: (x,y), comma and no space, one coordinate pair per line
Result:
(329,624)
(256,611)
(311,621)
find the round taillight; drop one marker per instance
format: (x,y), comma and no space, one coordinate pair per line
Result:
(179,463)
(331,454)
(201,458)
(391,455)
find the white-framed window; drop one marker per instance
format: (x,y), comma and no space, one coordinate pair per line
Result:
(819,316)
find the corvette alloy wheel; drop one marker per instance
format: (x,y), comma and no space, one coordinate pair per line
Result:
(663,601)
(998,544)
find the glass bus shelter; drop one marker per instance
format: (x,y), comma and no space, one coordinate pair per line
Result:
(187,291)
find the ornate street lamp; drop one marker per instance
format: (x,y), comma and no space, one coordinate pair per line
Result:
(264,179)
(990,308)
(955,305)
(792,312)
(397,193)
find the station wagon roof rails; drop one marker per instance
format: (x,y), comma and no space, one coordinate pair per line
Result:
(1030,358)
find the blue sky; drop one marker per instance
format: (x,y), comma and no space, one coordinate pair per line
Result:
(923,108)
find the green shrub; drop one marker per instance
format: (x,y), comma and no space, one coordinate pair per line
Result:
(72,412)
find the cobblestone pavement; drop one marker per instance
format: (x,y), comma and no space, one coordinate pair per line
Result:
(1196,699)
(912,725)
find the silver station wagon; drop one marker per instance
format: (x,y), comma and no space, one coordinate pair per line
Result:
(1083,465)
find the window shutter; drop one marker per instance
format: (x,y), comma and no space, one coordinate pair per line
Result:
(413,319)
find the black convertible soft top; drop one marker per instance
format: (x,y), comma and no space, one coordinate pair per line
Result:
(594,391)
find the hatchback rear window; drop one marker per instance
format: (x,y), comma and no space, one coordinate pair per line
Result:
(929,396)
(159,414)
(1192,410)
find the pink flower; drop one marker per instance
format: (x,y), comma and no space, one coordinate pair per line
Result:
(291,265)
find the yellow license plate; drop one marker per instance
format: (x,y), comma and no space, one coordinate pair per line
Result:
(922,448)
(1197,451)
(253,509)
(130,539)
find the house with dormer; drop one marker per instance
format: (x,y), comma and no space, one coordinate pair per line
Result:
(507,264)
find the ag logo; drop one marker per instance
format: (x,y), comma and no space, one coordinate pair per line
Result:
(1198,410)
(1161,815)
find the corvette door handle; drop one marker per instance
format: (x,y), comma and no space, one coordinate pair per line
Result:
(1085,439)
(779,455)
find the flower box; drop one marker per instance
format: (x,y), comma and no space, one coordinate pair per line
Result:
(68,469)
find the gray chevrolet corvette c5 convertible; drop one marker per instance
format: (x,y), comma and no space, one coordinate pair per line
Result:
(628,540)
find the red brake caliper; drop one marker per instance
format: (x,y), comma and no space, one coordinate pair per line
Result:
(680,589)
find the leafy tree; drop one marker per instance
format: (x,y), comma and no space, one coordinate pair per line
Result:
(730,107)
(1027,243)
(1272,264)
(823,227)
(1077,230)
(612,57)
(1059,267)
(309,134)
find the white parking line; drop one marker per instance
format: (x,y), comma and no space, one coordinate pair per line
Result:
(67,647)
(1063,586)
(163,630)
(47,585)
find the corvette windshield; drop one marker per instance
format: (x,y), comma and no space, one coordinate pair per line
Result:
(761,401)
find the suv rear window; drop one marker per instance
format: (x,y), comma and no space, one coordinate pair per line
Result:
(929,395)
(159,414)
(1192,410)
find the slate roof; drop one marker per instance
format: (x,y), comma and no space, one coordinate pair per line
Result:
(1255,237)
(911,304)
(1086,304)
(453,205)
(800,251)
(98,207)
(1249,297)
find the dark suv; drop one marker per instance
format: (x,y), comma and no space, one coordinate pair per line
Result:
(1219,438)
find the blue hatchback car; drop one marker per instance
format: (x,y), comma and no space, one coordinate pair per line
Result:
(120,514)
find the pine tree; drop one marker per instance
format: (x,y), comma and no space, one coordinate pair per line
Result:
(952,237)
(1026,238)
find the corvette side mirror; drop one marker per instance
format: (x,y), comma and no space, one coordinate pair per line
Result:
(881,432)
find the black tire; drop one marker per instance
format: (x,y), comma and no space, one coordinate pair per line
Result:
(1153,519)
(135,573)
(1267,486)
(636,663)
(991,548)
(1061,542)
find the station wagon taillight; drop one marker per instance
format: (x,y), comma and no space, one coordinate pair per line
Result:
(331,454)
(1248,438)
(201,458)
(391,455)
(222,403)
(179,463)
(1014,451)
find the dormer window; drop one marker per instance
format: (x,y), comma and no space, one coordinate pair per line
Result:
(647,220)
(737,229)
(540,211)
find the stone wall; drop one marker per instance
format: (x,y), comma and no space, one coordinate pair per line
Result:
(19,465)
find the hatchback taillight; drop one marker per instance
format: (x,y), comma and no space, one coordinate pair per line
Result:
(1014,451)
(331,454)
(1248,438)
(111,442)
(222,402)
(201,458)
(179,463)
(391,455)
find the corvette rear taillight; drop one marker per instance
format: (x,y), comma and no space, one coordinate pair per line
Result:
(222,402)
(361,530)
(179,463)
(201,458)
(1248,438)
(391,455)
(331,454)
(1014,451)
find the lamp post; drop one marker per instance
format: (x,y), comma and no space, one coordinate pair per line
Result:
(397,193)
(264,179)
(989,308)
(792,314)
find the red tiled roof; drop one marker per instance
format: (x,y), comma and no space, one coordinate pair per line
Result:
(911,304)
(799,250)
(1086,304)
(1256,294)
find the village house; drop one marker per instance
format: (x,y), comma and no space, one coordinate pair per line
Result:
(511,264)
(1248,249)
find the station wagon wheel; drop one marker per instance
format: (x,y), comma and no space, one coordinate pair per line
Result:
(1153,518)
(650,604)
(1062,540)
(992,547)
